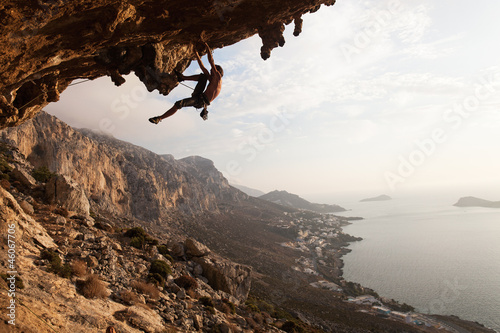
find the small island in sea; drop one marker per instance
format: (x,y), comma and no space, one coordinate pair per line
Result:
(476,202)
(382,197)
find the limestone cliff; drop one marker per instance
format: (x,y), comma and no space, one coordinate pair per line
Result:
(48,44)
(130,180)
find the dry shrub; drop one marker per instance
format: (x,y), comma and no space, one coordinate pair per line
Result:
(61,211)
(146,288)
(129,297)
(193,293)
(252,323)
(259,318)
(79,268)
(187,282)
(226,308)
(92,287)
(5,184)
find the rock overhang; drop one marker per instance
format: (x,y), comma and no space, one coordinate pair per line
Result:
(49,44)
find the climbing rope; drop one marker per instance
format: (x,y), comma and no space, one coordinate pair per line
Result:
(185,85)
(22,304)
(74,84)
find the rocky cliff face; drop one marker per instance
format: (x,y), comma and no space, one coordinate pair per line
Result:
(46,45)
(130,180)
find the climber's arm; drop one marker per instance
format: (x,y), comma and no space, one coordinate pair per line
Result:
(200,63)
(210,57)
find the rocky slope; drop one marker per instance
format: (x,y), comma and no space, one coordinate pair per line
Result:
(130,181)
(83,268)
(292,200)
(47,45)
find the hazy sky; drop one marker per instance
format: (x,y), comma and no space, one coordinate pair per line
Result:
(373,96)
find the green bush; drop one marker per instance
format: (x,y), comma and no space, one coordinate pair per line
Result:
(163,250)
(230,305)
(137,242)
(4,166)
(156,279)
(139,238)
(42,174)
(292,327)
(135,232)
(55,264)
(160,267)
(206,301)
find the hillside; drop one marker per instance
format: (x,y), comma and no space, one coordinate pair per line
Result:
(130,181)
(213,260)
(249,191)
(292,200)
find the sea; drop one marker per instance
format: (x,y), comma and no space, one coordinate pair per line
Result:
(423,251)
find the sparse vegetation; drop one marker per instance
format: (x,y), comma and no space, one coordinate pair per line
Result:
(4,168)
(228,307)
(187,282)
(79,268)
(156,279)
(139,238)
(160,267)
(129,297)
(206,301)
(163,250)
(61,211)
(55,264)
(42,174)
(257,305)
(146,288)
(92,287)
(292,327)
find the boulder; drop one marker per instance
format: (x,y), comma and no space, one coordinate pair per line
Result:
(195,248)
(177,249)
(226,276)
(63,191)
(144,319)
(27,207)
(23,176)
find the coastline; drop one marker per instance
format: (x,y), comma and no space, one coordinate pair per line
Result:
(452,323)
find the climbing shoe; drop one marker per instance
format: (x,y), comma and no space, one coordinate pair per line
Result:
(204,114)
(154,120)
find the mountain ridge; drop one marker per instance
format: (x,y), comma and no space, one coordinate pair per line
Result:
(293,200)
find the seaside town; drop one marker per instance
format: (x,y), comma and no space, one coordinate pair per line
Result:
(322,242)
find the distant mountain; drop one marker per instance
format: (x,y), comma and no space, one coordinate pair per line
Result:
(249,191)
(292,200)
(476,202)
(382,197)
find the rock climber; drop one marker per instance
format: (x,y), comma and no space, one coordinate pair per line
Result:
(201,97)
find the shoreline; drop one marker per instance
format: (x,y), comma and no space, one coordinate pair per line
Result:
(444,319)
